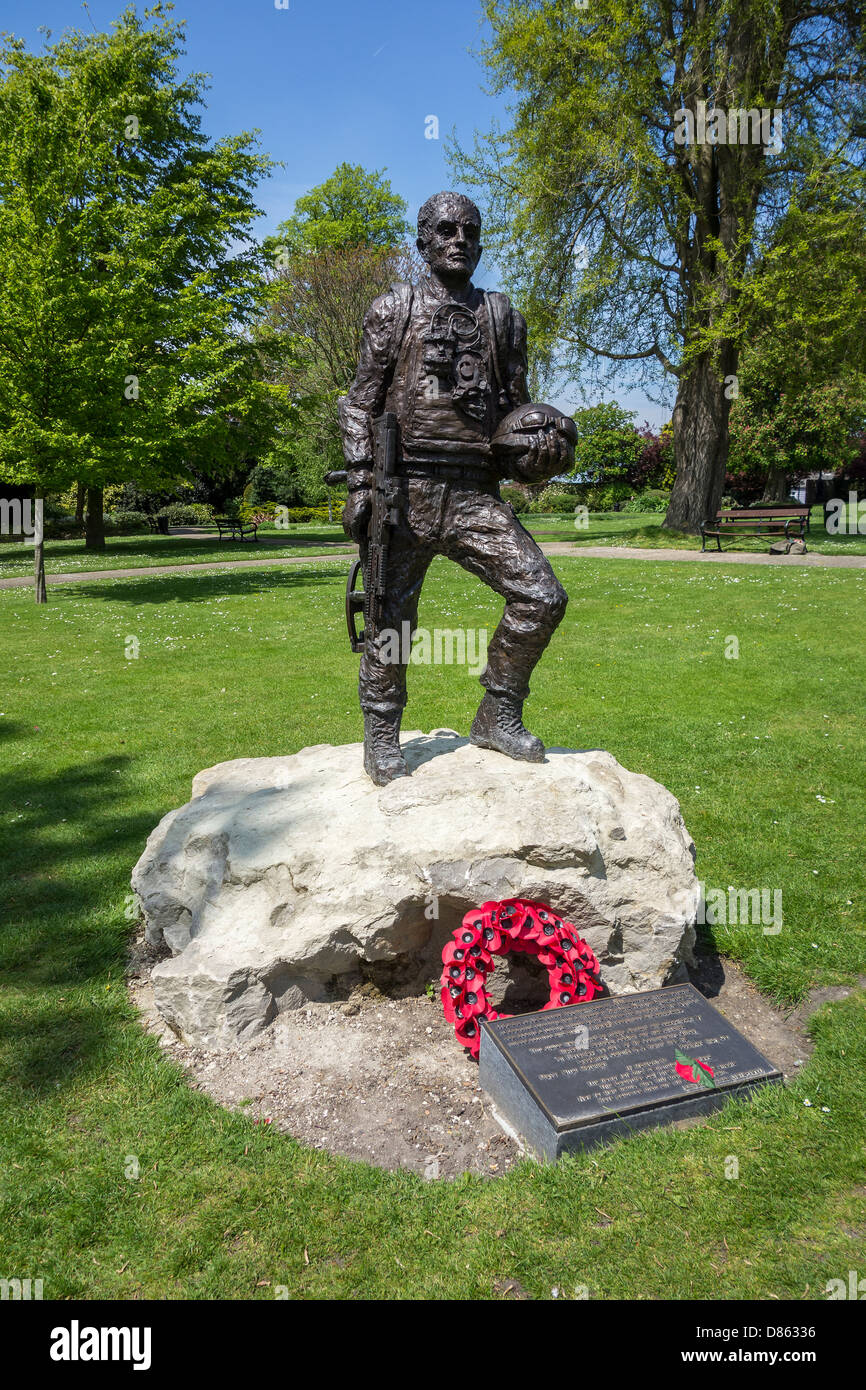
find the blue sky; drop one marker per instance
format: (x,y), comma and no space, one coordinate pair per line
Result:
(326,81)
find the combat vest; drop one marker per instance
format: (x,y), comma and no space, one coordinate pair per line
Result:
(447,387)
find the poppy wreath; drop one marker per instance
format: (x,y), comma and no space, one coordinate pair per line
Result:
(494,929)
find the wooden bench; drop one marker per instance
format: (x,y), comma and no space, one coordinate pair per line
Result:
(792,522)
(236,530)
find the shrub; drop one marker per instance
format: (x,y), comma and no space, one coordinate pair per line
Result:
(553,500)
(62,528)
(605,499)
(261,515)
(187,513)
(129,522)
(653,499)
(313,513)
(516,498)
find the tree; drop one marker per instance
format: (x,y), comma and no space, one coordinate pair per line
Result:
(607,443)
(129,272)
(817,429)
(646,151)
(801,384)
(354,207)
(339,250)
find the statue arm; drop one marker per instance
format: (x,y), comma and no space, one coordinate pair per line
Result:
(365,399)
(516,366)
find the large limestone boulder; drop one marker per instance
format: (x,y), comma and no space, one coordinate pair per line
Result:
(283,876)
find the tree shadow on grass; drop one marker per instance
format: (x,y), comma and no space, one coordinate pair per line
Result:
(198,588)
(168,550)
(62,926)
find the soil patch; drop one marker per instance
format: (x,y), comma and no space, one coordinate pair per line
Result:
(383,1080)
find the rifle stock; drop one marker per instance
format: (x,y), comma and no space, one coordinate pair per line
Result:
(383,517)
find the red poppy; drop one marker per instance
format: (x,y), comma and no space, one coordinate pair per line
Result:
(515,924)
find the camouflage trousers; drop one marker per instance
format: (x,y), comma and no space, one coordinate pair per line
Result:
(470,524)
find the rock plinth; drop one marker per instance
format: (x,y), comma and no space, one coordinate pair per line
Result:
(284,878)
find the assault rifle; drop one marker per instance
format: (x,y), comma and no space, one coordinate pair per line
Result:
(374,566)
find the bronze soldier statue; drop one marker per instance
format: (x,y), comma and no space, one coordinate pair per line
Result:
(441,367)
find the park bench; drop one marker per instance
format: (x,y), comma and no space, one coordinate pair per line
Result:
(236,530)
(792,522)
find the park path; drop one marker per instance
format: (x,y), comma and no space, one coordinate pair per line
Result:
(594,552)
(712,557)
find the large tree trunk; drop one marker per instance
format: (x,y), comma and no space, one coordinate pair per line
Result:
(94,535)
(776,486)
(40,592)
(79,505)
(700,422)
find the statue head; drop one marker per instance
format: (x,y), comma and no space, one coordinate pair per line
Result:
(449,237)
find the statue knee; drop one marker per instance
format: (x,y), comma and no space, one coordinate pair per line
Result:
(555,603)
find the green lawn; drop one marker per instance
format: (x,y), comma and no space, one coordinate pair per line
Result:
(644,530)
(140,552)
(766,754)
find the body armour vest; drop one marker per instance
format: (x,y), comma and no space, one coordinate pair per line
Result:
(444,390)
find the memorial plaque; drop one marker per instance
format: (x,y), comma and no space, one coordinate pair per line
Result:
(577,1076)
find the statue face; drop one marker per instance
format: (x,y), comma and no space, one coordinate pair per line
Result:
(453,246)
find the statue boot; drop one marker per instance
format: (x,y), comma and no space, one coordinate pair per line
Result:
(383,760)
(499,725)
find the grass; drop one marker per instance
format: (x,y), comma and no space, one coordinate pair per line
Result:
(644,530)
(143,552)
(765,753)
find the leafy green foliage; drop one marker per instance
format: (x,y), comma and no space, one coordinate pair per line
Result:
(626,248)
(354,207)
(802,399)
(607,443)
(651,500)
(129,267)
(339,250)
(816,429)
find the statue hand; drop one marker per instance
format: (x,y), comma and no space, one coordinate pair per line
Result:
(550,453)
